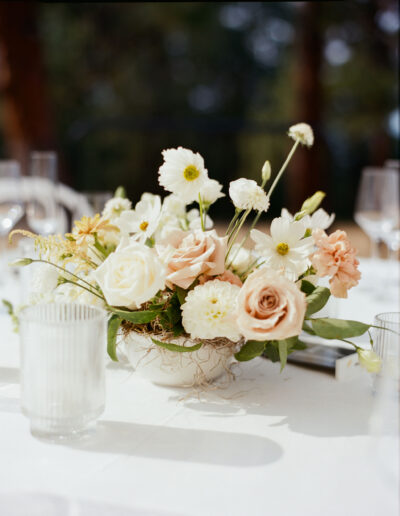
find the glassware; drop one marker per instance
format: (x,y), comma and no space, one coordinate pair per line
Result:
(93,200)
(42,211)
(11,207)
(377,205)
(62,369)
(387,344)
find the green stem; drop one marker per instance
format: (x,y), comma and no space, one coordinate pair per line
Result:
(245,215)
(81,286)
(71,274)
(233,221)
(201,213)
(283,167)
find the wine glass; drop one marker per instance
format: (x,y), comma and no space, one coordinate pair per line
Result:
(42,211)
(392,237)
(11,208)
(377,204)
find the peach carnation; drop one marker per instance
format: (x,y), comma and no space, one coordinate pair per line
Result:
(336,257)
(228,276)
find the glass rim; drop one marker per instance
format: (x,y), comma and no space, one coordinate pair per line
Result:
(98,314)
(379,317)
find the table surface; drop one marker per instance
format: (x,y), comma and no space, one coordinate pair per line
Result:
(292,443)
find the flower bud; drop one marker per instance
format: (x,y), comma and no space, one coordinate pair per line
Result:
(266,171)
(369,360)
(310,205)
(21,263)
(120,192)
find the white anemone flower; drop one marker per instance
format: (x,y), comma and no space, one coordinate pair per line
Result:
(183,173)
(247,195)
(143,221)
(302,132)
(209,311)
(114,207)
(285,249)
(211,191)
(319,219)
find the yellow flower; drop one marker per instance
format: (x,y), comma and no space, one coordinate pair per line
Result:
(85,229)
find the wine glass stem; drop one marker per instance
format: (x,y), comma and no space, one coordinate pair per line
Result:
(374,249)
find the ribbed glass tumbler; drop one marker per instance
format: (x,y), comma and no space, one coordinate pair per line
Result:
(62,369)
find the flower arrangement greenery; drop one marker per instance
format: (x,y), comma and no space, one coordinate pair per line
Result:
(160,269)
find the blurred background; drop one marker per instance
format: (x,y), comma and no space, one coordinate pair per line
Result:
(109,85)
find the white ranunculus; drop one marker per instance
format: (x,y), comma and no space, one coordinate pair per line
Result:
(211,191)
(303,133)
(130,276)
(242,259)
(247,195)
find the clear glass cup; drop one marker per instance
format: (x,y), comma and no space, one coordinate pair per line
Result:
(62,369)
(43,212)
(378,204)
(387,344)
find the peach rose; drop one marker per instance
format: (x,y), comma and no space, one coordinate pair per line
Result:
(337,258)
(227,275)
(196,252)
(270,307)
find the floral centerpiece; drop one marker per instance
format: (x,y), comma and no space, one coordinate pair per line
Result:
(189,298)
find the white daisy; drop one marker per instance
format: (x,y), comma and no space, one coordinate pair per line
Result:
(302,132)
(319,219)
(285,249)
(142,222)
(247,195)
(115,206)
(183,173)
(211,191)
(208,311)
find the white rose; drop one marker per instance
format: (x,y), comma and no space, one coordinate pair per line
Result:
(130,276)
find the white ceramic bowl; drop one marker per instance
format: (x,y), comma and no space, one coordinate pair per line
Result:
(173,368)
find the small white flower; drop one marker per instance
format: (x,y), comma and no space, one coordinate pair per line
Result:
(302,132)
(208,311)
(211,191)
(193,217)
(173,205)
(142,222)
(241,259)
(45,278)
(183,173)
(319,219)
(247,195)
(369,360)
(266,171)
(285,249)
(115,206)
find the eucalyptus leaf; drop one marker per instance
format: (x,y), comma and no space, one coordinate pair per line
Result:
(177,347)
(138,317)
(181,293)
(113,326)
(328,328)
(307,287)
(250,350)
(317,300)
(283,352)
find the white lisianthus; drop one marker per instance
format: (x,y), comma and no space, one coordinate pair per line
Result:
(285,249)
(130,276)
(208,311)
(211,191)
(142,222)
(247,195)
(319,219)
(303,133)
(369,360)
(183,173)
(173,205)
(114,207)
(44,279)
(242,258)
(193,217)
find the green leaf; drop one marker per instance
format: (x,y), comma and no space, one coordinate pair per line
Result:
(177,347)
(307,287)
(307,328)
(298,346)
(250,350)
(337,328)
(317,300)
(271,351)
(283,352)
(181,293)
(113,325)
(138,317)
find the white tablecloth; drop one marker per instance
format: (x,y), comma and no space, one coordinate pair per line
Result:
(296,443)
